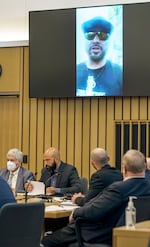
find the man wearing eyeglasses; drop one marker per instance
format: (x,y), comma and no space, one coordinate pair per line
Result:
(98,76)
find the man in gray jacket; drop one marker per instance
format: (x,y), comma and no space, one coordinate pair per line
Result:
(15,174)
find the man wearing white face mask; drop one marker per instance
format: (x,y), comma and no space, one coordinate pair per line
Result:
(15,174)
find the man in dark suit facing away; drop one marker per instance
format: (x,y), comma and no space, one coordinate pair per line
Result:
(104,176)
(104,210)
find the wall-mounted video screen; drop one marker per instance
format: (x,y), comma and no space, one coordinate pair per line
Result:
(90,51)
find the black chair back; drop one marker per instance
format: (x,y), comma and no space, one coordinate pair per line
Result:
(21,224)
(84,185)
(142,205)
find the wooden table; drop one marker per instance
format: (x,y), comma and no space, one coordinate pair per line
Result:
(51,214)
(138,237)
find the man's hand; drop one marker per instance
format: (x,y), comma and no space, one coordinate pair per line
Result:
(50,190)
(75,196)
(71,217)
(28,187)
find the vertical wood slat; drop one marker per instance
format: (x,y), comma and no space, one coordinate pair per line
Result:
(21,75)
(78,134)
(122,141)
(55,123)
(70,132)
(148,108)
(9,126)
(33,136)
(102,122)
(47,124)
(126,108)
(25,107)
(94,127)
(118,108)
(138,135)
(147,139)
(94,123)
(135,108)
(63,128)
(40,134)
(86,139)
(143,108)
(110,134)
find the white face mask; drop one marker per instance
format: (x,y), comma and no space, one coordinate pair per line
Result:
(11,166)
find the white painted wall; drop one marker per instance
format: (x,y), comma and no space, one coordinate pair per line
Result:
(14,15)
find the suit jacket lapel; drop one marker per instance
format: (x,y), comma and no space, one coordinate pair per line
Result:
(19,185)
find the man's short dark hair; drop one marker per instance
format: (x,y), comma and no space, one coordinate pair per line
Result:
(97,24)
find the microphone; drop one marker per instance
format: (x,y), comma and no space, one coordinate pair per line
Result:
(57,174)
(26,195)
(47,182)
(26,191)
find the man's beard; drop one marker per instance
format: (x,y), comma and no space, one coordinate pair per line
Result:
(97,57)
(52,168)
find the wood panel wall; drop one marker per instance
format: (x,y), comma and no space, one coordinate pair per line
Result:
(74,126)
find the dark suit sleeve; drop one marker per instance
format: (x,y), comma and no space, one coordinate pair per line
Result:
(100,206)
(73,183)
(80,201)
(45,176)
(96,186)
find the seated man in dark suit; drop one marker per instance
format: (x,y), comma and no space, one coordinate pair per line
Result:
(16,175)
(59,178)
(104,210)
(6,194)
(104,176)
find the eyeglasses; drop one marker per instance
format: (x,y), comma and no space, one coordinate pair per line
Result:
(101,35)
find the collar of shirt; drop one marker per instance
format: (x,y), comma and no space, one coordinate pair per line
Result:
(133,177)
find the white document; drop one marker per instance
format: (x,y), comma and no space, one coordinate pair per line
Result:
(53,208)
(68,203)
(38,188)
(59,208)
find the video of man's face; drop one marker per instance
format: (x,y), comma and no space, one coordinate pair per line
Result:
(99,51)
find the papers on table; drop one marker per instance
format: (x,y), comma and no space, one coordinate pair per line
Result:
(57,199)
(69,207)
(38,188)
(68,203)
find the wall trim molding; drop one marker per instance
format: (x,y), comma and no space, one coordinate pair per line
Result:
(14,43)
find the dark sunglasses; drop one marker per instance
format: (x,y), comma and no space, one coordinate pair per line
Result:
(101,35)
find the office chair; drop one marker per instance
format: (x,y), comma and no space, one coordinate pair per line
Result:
(142,205)
(21,224)
(84,184)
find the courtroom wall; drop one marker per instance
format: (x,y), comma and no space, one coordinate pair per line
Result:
(73,125)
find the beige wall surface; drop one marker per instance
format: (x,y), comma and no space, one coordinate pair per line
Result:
(14,21)
(74,125)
